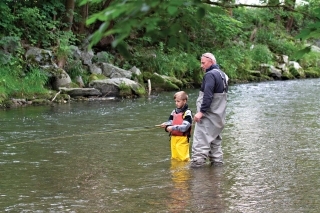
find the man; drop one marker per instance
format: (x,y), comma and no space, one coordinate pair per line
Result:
(210,116)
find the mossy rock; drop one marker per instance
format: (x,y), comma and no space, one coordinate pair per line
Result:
(141,91)
(147,75)
(287,76)
(125,93)
(40,102)
(170,86)
(251,78)
(47,96)
(93,77)
(7,104)
(164,83)
(254,73)
(125,90)
(311,73)
(138,78)
(265,78)
(297,73)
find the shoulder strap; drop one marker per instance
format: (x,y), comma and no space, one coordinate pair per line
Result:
(224,79)
(185,112)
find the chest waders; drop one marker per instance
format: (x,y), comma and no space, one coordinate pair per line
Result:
(179,140)
(207,133)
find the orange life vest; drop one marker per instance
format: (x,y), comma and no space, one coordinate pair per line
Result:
(178,120)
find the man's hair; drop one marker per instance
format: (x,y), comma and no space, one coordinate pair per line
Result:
(181,94)
(210,56)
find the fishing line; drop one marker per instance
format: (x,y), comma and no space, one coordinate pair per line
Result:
(87,134)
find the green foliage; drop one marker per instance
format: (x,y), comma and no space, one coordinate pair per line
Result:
(171,63)
(260,54)
(13,83)
(66,38)
(35,26)
(223,26)
(74,68)
(103,57)
(124,90)
(7,26)
(310,60)
(166,37)
(313,72)
(283,46)
(313,29)
(234,61)
(141,91)
(141,15)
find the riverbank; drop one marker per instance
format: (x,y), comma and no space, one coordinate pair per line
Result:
(53,98)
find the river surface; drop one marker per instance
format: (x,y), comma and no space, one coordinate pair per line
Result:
(109,157)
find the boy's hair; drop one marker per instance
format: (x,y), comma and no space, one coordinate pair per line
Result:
(181,94)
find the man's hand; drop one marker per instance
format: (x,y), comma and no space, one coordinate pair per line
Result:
(197,116)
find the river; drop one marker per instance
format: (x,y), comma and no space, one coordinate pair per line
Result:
(108,156)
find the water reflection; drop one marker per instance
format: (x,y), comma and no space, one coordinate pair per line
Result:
(180,194)
(207,190)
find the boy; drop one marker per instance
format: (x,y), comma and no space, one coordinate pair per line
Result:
(179,127)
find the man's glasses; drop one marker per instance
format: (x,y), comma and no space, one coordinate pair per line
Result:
(207,57)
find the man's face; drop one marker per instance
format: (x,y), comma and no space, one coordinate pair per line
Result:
(205,63)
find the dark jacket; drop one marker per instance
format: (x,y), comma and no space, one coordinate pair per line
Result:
(214,81)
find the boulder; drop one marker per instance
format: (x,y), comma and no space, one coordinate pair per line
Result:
(113,87)
(296,70)
(112,71)
(61,79)
(41,57)
(83,92)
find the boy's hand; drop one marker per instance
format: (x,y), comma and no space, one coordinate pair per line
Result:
(163,125)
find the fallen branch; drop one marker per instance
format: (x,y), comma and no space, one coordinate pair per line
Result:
(56,95)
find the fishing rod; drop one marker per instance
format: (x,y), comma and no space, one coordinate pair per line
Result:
(87,134)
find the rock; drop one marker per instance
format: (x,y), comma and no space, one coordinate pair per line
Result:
(84,92)
(94,69)
(112,71)
(296,70)
(283,59)
(86,57)
(39,56)
(112,87)
(61,79)
(135,70)
(275,73)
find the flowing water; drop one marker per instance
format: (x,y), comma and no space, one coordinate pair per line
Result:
(109,156)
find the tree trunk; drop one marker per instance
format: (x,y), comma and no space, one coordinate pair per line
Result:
(107,40)
(289,24)
(290,4)
(84,15)
(69,14)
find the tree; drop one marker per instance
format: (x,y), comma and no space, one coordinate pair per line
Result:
(69,4)
(121,17)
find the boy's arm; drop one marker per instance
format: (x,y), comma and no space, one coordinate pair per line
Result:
(169,122)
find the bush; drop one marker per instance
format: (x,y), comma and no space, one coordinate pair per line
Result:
(260,54)
(14,83)
(234,61)
(311,59)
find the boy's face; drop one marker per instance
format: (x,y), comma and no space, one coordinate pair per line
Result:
(179,102)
